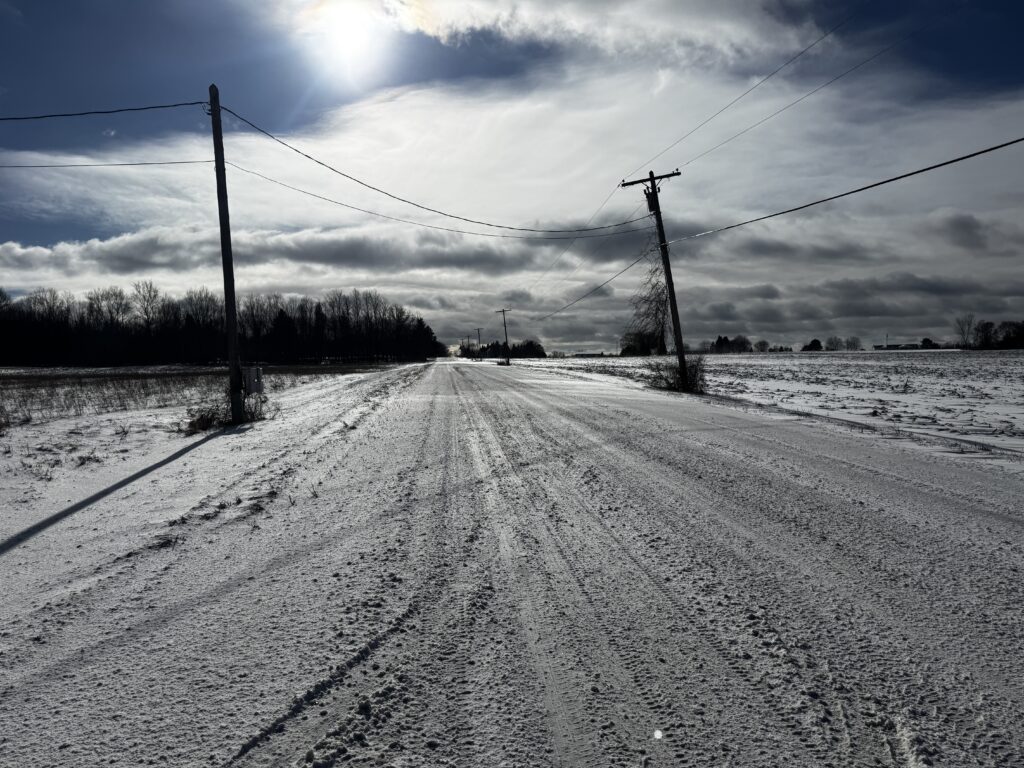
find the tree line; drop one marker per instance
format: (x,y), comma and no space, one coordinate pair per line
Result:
(146,326)
(521,349)
(985,334)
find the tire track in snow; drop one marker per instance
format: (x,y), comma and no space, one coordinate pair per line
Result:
(656,592)
(840,702)
(439,651)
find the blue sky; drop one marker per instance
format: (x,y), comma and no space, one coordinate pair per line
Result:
(528,113)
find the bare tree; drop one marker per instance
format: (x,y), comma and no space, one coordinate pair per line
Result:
(50,305)
(964,326)
(853,344)
(168,314)
(205,309)
(108,306)
(256,313)
(146,301)
(650,309)
(761,345)
(985,336)
(833,344)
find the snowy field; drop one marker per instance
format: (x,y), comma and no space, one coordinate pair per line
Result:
(458,564)
(34,395)
(977,396)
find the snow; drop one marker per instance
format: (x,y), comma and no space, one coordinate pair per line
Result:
(461,564)
(976,396)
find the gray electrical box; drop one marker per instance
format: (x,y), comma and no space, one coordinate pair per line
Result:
(252,380)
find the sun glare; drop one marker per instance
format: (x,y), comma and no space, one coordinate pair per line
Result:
(349,38)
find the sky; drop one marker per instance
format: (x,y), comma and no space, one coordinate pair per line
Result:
(529,114)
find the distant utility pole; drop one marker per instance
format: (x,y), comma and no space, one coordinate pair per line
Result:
(508,351)
(234,364)
(654,205)
(479,345)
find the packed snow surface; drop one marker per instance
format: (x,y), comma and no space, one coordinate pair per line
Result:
(467,565)
(978,396)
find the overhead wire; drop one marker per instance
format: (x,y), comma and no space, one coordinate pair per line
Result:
(581,264)
(105,165)
(866,187)
(573,241)
(740,97)
(751,89)
(760,122)
(400,199)
(794,209)
(647,251)
(864,62)
(400,220)
(104,111)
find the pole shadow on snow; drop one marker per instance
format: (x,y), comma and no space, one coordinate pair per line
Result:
(22,536)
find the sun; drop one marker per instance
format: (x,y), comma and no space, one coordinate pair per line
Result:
(350,39)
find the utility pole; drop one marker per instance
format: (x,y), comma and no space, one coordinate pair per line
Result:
(479,345)
(654,205)
(234,364)
(508,351)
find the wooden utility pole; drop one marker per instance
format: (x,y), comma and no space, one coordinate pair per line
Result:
(234,364)
(508,351)
(654,205)
(479,344)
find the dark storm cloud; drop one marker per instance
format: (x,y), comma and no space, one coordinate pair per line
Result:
(796,254)
(579,331)
(340,249)
(132,255)
(603,291)
(910,283)
(420,301)
(765,291)
(802,309)
(723,311)
(965,230)
(517,297)
(178,250)
(869,307)
(123,255)
(706,294)
(965,50)
(765,314)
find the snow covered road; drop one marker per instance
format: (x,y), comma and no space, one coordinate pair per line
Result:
(461,564)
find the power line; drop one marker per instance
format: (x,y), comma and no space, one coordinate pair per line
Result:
(591,292)
(749,128)
(700,125)
(813,91)
(107,165)
(576,269)
(853,191)
(747,92)
(367,185)
(572,242)
(805,206)
(423,224)
(105,111)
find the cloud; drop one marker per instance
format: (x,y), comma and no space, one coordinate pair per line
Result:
(964,230)
(545,146)
(695,32)
(519,297)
